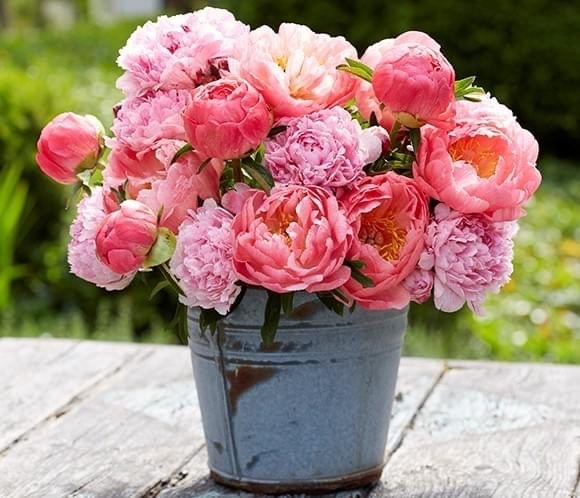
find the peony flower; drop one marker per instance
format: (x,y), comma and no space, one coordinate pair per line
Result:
(470,254)
(226,119)
(390,215)
(486,164)
(68,145)
(202,261)
(295,239)
(126,236)
(126,165)
(415,82)
(181,189)
(327,148)
(181,51)
(233,200)
(419,284)
(295,69)
(141,122)
(82,255)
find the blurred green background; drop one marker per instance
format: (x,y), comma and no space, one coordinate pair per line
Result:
(59,55)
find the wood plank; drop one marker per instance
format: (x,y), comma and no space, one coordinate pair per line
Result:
(132,431)
(501,430)
(38,377)
(416,379)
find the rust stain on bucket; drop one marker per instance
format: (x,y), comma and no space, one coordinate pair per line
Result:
(243,378)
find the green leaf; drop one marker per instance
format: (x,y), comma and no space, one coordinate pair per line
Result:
(163,248)
(464,89)
(271,317)
(355,269)
(287,302)
(356,71)
(260,174)
(158,288)
(170,280)
(330,302)
(276,130)
(184,150)
(415,135)
(461,85)
(360,65)
(96,178)
(356,264)
(208,319)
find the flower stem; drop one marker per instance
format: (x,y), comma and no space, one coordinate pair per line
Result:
(237,168)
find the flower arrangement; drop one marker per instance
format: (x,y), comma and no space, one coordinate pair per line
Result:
(254,158)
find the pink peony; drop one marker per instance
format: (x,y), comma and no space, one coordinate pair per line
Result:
(419,284)
(327,148)
(390,215)
(486,164)
(233,200)
(141,122)
(295,69)
(126,165)
(202,261)
(470,255)
(226,119)
(82,255)
(182,51)
(68,145)
(126,236)
(415,82)
(182,188)
(295,239)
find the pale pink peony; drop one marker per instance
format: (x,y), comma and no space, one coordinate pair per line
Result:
(233,200)
(326,148)
(82,253)
(182,189)
(415,82)
(182,51)
(141,122)
(295,239)
(202,261)
(68,145)
(126,236)
(390,215)
(419,284)
(470,255)
(486,164)
(295,69)
(226,119)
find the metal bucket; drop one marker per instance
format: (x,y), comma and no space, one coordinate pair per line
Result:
(308,414)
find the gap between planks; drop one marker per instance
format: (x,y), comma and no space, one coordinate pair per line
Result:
(77,398)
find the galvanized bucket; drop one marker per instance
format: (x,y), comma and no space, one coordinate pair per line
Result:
(308,414)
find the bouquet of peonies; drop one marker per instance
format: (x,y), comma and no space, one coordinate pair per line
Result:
(253,158)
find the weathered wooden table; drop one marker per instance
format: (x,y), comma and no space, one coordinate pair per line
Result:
(88,419)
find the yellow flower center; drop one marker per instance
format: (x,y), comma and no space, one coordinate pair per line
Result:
(279,225)
(477,151)
(383,233)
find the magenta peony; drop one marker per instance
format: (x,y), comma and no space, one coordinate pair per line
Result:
(68,145)
(326,148)
(470,256)
(202,261)
(226,119)
(486,164)
(82,255)
(390,215)
(182,51)
(126,236)
(295,69)
(294,239)
(415,82)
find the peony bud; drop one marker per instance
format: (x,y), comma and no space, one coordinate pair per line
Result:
(126,237)
(68,145)
(226,119)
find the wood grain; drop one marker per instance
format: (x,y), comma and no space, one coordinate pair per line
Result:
(492,430)
(131,432)
(38,378)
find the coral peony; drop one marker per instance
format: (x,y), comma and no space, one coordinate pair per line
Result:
(295,69)
(202,261)
(415,82)
(226,119)
(68,145)
(182,51)
(486,164)
(326,148)
(470,255)
(419,284)
(390,215)
(181,189)
(82,255)
(126,236)
(295,239)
